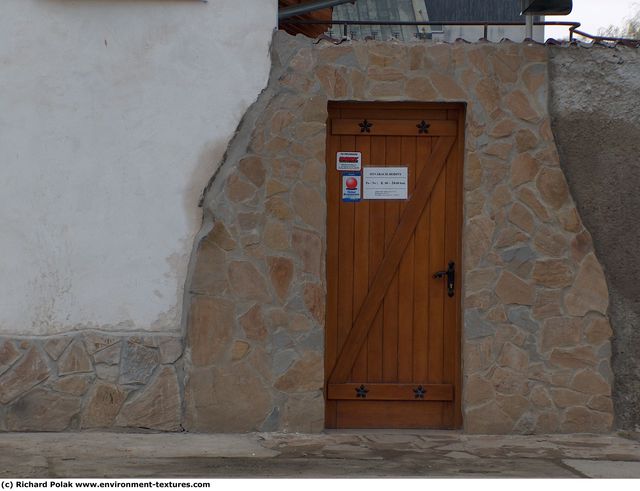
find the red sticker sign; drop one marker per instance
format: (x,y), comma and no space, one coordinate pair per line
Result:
(349,161)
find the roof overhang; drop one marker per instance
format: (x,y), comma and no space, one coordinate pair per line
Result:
(548,7)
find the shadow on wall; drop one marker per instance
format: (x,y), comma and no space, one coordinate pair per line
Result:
(596,121)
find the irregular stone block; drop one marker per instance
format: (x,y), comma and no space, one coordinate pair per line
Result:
(138,363)
(110,373)
(75,385)
(252,322)
(110,355)
(96,342)
(559,332)
(221,237)
(514,358)
(54,347)
(513,290)
(228,399)
(589,291)
(304,413)
(524,168)
(246,282)
(579,357)
(314,300)
(211,324)
(540,397)
(548,303)
(8,355)
(598,331)
(276,235)
(41,410)
(27,373)
(506,381)
(521,217)
(170,349)
(601,403)
(475,326)
(526,140)
(590,382)
(550,244)
(565,397)
(515,406)
(576,419)
(521,317)
(478,356)
(552,187)
(479,232)
(209,275)
(103,407)
(308,247)
(487,419)
(275,187)
(252,166)
(307,374)
(520,106)
(281,274)
(478,390)
(238,190)
(547,422)
(309,206)
(282,360)
(519,260)
(552,273)
(157,406)
(239,350)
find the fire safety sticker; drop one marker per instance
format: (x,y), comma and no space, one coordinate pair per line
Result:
(351,186)
(349,161)
(385,182)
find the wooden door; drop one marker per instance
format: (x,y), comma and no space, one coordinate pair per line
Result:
(392,349)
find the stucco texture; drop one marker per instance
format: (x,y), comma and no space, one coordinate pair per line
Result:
(113,117)
(595,112)
(536,335)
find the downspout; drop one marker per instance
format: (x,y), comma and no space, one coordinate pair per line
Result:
(528,29)
(421,14)
(305,8)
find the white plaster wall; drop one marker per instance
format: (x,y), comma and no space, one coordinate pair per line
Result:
(113,115)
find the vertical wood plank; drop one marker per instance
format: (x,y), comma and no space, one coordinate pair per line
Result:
(361,261)
(421,274)
(345,257)
(438,262)
(405,278)
(376,252)
(390,322)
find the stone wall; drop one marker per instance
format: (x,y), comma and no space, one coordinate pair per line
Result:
(536,343)
(536,337)
(90,380)
(595,112)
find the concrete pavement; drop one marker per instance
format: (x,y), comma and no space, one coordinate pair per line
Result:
(385,453)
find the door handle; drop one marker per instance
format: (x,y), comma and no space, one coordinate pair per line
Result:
(450,273)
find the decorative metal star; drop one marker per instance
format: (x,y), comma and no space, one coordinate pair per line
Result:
(423,127)
(362,391)
(420,392)
(365,126)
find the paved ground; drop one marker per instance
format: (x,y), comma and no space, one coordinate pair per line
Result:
(332,454)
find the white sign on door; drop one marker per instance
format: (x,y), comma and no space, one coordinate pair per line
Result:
(349,161)
(385,183)
(351,185)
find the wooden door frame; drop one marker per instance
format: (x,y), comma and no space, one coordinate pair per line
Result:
(459,149)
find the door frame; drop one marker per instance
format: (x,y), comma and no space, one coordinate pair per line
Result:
(459,150)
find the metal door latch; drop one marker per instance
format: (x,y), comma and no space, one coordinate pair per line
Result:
(450,273)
